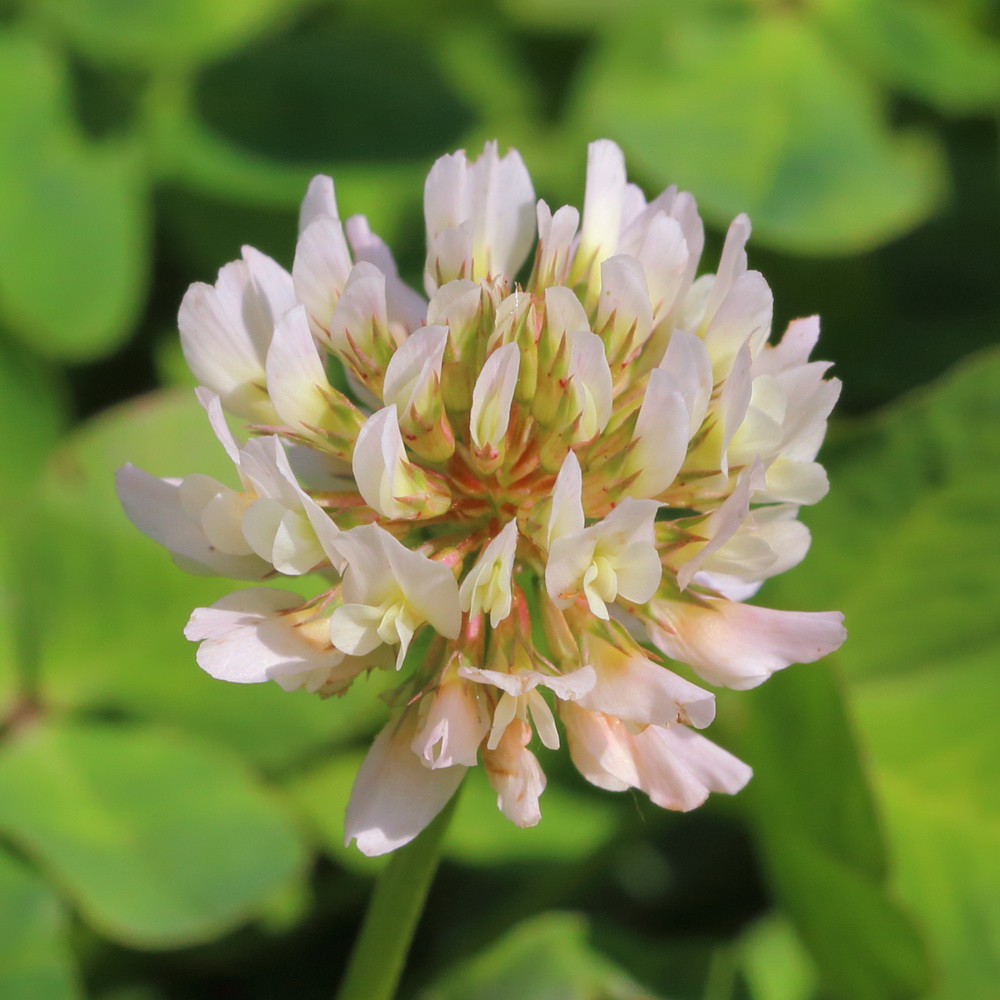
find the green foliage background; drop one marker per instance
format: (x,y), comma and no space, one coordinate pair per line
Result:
(163,836)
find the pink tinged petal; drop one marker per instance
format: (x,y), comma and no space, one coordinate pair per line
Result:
(320,200)
(591,382)
(296,378)
(154,506)
(625,301)
(566,516)
(555,242)
(686,358)
(271,295)
(717,769)
(360,311)
(414,365)
(404,305)
(516,776)
(635,688)
(248,637)
(378,463)
(455,305)
(596,750)
(743,317)
(661,435)
(740,645)
(394,796)
(732,264)
(602,204)
(662,775)
(454,725)
(321,270)
(487,586)
(570,686)
(492,397)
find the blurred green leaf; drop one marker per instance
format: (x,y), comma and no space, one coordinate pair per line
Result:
(31,417)
(73,228)
(573,825)
(161,840)
(163,33)
(925,47)
(547,957)
(815,823)
(774,963)
(122,603)
(906,545)
(35,960)
(754,112)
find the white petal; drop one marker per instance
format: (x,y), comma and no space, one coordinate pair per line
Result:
(566,517)
(354,628)
(661,433)
(416,361)
(602,203)
(597,750)
(429,587)
(743,317)
(154,507)
(320,199)
(564,313)
(665,257)
(487,586)
(492,397)
(296,378)
(247,638)
(378,460)
(732,264)
(555,243)
(740,645)
(456,723)
(591,382)
(360,311)
(686,358)
(404,305)
(625,296)
(213,407)
(321,270)
(796,345)
(394,796)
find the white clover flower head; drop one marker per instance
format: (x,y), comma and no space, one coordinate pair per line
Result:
(548,471)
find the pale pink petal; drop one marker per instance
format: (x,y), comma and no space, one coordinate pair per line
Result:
(515,775)
(739,645)
(635,688)
(394,796)
(566,517)
(591,382)
(320,199)
(321,270)
(492,397)
(661,435)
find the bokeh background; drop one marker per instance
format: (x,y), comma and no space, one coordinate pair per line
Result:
(164,836)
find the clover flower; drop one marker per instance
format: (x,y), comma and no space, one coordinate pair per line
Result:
(540,474)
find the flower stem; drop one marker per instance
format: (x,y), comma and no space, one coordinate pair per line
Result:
(380,950)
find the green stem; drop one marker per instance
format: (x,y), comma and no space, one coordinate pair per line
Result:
(393,912)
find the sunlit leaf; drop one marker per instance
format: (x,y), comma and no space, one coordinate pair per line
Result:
(906,545)
(160,839)
(168,33)
(927,48)
(73,228)
(774,963)
(755,112)
(35,960)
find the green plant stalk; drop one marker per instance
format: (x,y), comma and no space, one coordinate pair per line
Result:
(382,945)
